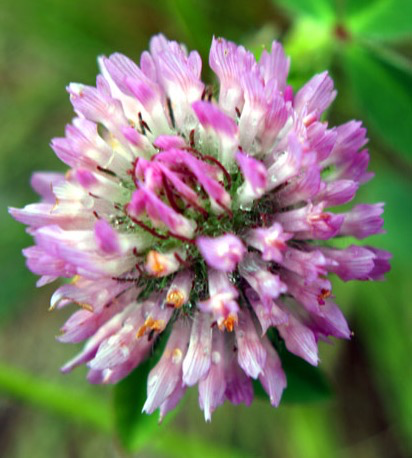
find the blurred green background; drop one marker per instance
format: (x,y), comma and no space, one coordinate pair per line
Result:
(367,45)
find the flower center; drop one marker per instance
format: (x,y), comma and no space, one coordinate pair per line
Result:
(175,197)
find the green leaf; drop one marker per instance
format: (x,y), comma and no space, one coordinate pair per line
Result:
(383,314)
(56,398)
(383,94)
(17,281)
(390,56)
(190,19)
(308,56)
(305,383)
(323,9)
(382,20)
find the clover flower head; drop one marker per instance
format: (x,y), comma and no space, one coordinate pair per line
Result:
(201,219)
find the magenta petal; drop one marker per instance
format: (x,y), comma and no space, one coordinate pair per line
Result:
(230,62)
(42,214)
(381,263)
(212,388)
(273,378)
(106,237)
(267,285)
(211,117)
(300,340)
(169,141)
(239,388)
(301,189)
(307,264)
(275,65)
(222,253)
(270,241)
(167,374)
(309,294)
(284,166)
(268,312)
(132,136)
(337,192)
(120,68)
(43,183)
(222,302)
(197,362)
(255,174)
(316,95)
(363,220)
(330,322)
(159,211)
(171,401)
(251,353)
(352,263)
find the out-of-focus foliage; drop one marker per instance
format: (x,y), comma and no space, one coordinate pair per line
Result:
(361,39)
(383,92)
(367,45)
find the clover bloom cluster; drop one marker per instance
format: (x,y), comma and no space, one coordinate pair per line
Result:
(203,219)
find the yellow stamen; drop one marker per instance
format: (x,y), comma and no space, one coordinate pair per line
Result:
(177,355)
(150,324)
(155,263)
(85,306)
(176,298)
(53,305)
(56,204)
(113,141)
(229,323)
(324,294)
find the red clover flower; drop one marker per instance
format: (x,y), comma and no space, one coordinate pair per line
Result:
(203,218)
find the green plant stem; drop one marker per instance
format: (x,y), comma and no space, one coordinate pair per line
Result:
(60,399)
(96,413)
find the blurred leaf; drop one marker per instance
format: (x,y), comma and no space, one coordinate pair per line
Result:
(385,320)
(55,398)
(353,7)
(17,280)
(191,23)
(382,310)
(261,39)
(389,56)
(395,191)
(305,383)
(383,93)
(382,19)
(323,9)
(315,432)
(308,55)
(176,445)
(94,412)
